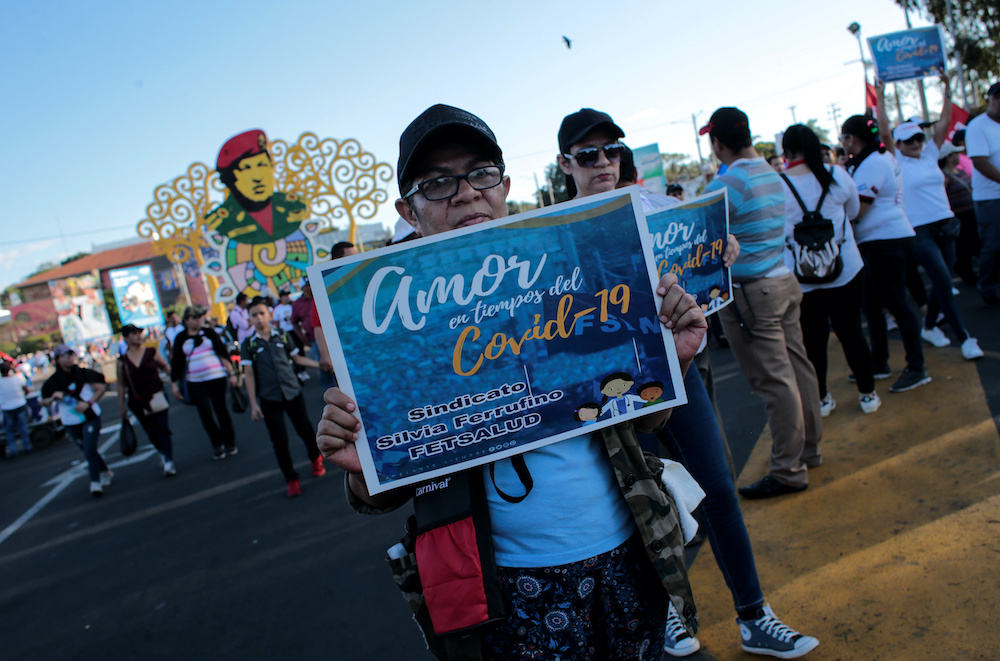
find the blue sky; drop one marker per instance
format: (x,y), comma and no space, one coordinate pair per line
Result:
(103,101)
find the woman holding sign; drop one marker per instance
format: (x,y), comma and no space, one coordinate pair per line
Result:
(925,201)
(827,301)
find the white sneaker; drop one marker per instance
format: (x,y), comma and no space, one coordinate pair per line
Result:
(935,336)
(677,641)
(168,469)
(971,350)
(870,402)
(106,478)
(827,405)
(890,322)
(95,489)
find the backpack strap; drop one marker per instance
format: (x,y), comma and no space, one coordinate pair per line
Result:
(802,205)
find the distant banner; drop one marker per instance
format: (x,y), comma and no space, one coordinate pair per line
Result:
(79,304)
(136,297)
(649,169)
(908,54)
(486,342)
(689,240)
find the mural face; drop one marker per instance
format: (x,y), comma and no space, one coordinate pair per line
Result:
(259,239)
(255,177)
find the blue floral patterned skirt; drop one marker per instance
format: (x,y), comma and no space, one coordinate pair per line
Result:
(611,606)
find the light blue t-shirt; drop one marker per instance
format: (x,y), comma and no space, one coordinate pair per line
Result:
(590,517)
(756,217)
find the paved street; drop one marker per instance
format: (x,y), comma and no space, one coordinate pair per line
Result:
(891,553)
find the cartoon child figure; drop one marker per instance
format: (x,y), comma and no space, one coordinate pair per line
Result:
(716,299)
(614,388)
(587,413)
(651,393)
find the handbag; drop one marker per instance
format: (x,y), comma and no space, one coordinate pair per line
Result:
(238,399)
(127,438)
(158,402)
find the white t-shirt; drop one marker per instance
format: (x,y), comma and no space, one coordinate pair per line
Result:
(982,138)
(924,198)
(12,391)
(880,182)
(283,317)
(841,205)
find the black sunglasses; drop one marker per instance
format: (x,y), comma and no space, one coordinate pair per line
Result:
(587,158)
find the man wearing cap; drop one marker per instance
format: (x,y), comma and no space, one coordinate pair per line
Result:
(253,212)
(693,433)
(982,143)
(574,577)
(78,391)
(762,324)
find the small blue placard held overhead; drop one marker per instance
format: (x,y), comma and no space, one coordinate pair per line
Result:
(908,54)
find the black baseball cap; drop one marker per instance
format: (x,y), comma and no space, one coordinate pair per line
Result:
(128,329)
(730,125)
(575,127)
(433,122)
(994,89)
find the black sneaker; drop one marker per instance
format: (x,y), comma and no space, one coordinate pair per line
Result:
(219,453)
(232,450)
(909,380)
(768,487)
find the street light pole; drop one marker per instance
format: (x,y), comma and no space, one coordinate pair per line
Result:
(855,29)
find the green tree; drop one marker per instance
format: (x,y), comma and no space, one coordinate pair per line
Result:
(73,258)
(679,167)
(765,149)
(555,175)
(976,32)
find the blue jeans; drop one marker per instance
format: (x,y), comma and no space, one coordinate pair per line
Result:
(988,220)
(691,435)
(86,436)
(935,249)
(16,419)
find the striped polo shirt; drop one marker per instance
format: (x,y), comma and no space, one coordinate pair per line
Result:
(203,364)
(756,217)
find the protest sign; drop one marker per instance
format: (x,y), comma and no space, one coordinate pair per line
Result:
(689,240)
(485,342)
(136,297)
(649,169)
(908,54)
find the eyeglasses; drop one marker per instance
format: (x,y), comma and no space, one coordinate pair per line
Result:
(587,158)
(446,186)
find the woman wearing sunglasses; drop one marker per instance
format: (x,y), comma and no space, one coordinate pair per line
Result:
(591,156)
(925,202)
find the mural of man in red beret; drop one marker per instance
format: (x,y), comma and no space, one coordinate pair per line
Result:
(268,244)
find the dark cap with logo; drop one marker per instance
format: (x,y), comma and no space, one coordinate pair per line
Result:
(434,122)
(575,127)
(729,125)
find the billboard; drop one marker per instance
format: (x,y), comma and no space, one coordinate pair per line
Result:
(136,296)
(79,304)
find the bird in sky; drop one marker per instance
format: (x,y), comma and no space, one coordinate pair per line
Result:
(569,44)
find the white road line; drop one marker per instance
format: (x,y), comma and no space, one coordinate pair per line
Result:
(67,477)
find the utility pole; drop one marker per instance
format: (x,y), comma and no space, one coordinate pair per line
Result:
(697,141)
(538,192)
(835,114)
(920,81)
(794,121)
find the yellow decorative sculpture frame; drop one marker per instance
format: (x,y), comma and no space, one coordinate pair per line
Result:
(340,182)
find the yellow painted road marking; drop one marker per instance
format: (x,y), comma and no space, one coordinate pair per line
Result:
(894,551)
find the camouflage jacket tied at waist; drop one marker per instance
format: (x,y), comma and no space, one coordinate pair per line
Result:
(654,513)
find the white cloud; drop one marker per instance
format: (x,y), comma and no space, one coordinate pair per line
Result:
(9,257)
